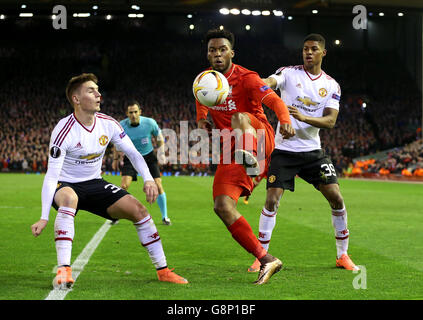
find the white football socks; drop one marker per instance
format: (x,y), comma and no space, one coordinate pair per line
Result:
(150,239)
(64,231)
(266,225)
(339,222)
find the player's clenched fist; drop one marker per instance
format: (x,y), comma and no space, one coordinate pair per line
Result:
(38,227)
(151,191)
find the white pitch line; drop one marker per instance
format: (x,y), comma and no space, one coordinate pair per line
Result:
(81,261)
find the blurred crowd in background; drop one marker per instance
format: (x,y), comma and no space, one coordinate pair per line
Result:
(380,107)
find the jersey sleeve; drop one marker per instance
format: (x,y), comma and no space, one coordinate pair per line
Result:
(202,111)
(334,96)
(57,153)
(255,87)
(258,90)
(279,76)
(155,130)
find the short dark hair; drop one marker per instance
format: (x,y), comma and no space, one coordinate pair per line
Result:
(220,33)
(316,37)
(75,82)
(132,102)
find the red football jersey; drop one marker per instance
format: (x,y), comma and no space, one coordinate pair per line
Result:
(246,93)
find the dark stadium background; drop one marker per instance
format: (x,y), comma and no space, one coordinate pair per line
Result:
(155,58)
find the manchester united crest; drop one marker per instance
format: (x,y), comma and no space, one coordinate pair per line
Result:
(272,179)
(323,92)
(103,140)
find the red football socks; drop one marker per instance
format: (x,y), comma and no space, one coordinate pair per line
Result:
(241,231)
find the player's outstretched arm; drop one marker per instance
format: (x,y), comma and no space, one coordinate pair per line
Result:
(48,190)
(327,121)
(271,82)
(161,157)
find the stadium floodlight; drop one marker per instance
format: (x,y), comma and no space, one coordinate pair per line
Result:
(234,11)
(315,11)
(290,18)
(221,27)
(381,14)
(23,6)
(108,17)
(81,15)
(256,12)
(135,15)
(2,17)
(337,42)
(364,105)
(191,27)
(26,14)
(224,11)
(246,12)
(400,14)
(135,7)
(189,16)
(53,17)
(278,13)
(95,7)
(247,27)
(265,13)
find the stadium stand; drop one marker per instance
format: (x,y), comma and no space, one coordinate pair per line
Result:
(32,97)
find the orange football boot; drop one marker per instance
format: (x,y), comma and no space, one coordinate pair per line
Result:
(167,275)
(255,267)
(63,277)
(345,262)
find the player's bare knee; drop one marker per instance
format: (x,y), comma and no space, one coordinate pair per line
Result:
(66,197)
(336,201)
(140,212)
(272,203)
(240,121)
(222,208)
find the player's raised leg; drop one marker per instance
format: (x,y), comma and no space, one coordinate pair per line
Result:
(128,207)
(240,229)
(248,152)
(340,224)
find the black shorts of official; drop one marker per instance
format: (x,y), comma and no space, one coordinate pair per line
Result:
(315,167)
(94,195)
(152,164)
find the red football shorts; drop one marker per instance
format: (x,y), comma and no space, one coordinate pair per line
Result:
(231,179)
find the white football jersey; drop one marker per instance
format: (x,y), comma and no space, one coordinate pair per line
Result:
(76,153)
(310,94)
(80,150)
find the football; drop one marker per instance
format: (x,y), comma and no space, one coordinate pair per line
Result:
(210,88)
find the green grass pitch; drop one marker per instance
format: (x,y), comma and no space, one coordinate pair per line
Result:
(385,221)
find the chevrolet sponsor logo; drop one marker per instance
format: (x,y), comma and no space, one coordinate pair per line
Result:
(91,156)
(307,101)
